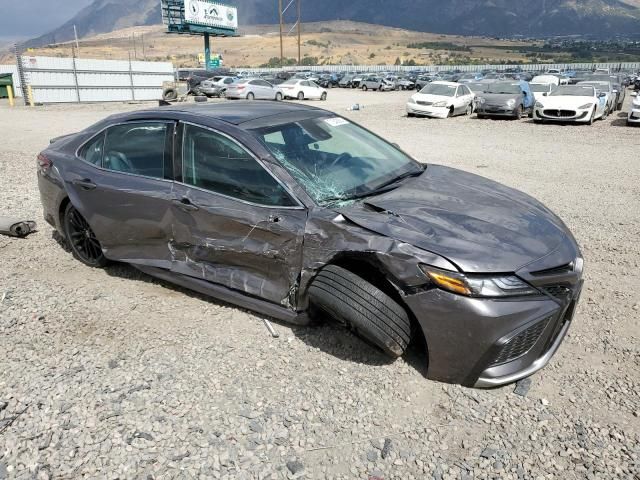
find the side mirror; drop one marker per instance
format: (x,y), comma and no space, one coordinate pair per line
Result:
(602,94)
(545,94)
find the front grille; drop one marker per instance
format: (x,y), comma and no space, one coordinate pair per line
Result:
(521,343)
(560,113)
(559,291)
(426,104)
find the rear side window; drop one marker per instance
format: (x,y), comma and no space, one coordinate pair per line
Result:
(215,163)
(139,148)
(93,150)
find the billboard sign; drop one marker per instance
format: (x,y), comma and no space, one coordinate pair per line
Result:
(210,14)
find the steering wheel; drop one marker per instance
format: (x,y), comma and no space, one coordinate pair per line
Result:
(342,157)
(119,162)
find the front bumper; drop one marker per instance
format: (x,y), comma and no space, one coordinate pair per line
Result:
(485,343)
(634,116)
(495,111)
(427,110)
(577,116)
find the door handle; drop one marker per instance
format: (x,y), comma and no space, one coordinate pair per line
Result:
(85,184)
(185,205)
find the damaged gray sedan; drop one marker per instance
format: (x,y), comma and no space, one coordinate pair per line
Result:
(294,212)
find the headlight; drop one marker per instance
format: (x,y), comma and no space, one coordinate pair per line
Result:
(539,105)
(440,104)
(481,100)
(511,103)
(412,100)
(586,106)
(478,285)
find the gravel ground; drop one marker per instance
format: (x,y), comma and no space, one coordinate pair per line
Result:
(110,374)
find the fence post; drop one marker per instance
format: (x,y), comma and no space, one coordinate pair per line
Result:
(10,94)
(75,73)
(133,89)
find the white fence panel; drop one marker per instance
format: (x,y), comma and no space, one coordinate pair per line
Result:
(56,80)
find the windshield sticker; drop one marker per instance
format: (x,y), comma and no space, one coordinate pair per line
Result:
(336,121)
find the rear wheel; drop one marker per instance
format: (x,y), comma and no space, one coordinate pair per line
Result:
(251,96)
(300,95)
(82,241)
(363,308)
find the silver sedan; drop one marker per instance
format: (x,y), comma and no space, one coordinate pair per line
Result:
(254,89)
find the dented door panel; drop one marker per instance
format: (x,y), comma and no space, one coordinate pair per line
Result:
(245,247)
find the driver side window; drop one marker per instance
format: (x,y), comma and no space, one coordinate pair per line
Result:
(215,163)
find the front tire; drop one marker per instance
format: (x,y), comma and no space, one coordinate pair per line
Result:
(366,310)
(278,97)
(518,113)
(364,88)
(323,97)
(251,96)
(82,241)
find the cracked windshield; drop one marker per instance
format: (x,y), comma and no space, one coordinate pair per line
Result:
(336,161)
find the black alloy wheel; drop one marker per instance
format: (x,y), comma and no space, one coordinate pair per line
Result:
(82,241)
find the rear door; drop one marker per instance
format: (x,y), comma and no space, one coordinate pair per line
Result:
(122,184)
(235,224)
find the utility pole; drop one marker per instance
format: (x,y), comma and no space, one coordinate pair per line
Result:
(299,33)
(75,34)
(281,27)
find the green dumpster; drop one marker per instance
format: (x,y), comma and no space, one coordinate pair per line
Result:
(6,80)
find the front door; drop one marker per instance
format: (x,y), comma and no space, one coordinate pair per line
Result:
(235,224)
(123,187)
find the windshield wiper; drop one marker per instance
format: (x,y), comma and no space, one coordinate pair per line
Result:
(385,187)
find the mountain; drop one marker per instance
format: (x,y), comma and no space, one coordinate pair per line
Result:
(464,17)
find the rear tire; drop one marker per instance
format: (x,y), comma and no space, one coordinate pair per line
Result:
(300,96)
(81,240)
(366,310)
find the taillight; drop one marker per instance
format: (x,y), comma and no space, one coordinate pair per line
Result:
(44,163)
(240,87)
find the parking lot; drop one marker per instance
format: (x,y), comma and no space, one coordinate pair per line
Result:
(111,374)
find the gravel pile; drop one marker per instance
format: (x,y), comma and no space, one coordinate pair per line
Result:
(109,374)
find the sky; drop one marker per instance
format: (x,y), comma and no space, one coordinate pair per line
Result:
(21,19)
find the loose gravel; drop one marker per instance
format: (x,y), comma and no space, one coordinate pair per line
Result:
(109,374)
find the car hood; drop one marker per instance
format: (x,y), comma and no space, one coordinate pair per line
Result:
(427,97)
(475,223)
(499,98)
(567,101)
(636,102)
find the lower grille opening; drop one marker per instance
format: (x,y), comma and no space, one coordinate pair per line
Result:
(521,343)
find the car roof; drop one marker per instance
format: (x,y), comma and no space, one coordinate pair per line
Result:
(237,112)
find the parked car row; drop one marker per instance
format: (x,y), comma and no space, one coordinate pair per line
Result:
(546,99)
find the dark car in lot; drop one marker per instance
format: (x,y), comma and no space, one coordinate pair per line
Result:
(298,213)
(506,98)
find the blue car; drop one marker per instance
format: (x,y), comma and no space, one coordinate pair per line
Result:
(470,77)
(506,98)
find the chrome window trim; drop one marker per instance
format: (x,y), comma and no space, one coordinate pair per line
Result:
(78,157)
(300,205)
